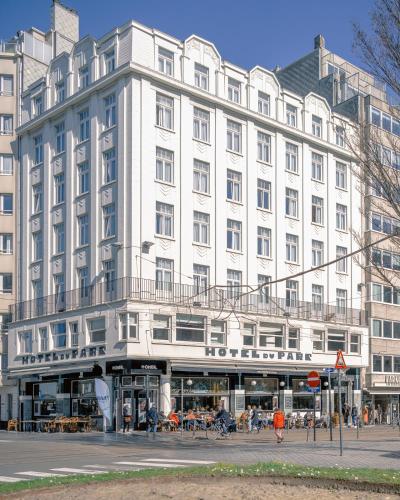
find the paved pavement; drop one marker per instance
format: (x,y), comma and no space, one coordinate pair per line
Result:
(28,455)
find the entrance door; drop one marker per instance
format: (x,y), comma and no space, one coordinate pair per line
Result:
(127,398)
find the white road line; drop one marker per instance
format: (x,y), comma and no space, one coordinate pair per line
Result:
(77,471)
(39,474)
(202,462)
(112,467)
(6,441)
(147,464)
(5,479)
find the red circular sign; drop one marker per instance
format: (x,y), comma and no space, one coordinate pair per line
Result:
(313,379)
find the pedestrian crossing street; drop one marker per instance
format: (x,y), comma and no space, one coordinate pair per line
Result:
(93,469)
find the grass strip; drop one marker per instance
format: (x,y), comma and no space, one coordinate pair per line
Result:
(271,469)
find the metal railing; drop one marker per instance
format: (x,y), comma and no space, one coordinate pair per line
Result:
(216,298)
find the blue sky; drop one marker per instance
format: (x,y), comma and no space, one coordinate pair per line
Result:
(263,32)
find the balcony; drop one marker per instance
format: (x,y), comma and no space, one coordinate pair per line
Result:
(213,298)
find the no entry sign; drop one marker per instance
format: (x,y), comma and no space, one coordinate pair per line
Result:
(313,379)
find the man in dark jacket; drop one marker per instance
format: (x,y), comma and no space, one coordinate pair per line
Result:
(152,420)
(223,417)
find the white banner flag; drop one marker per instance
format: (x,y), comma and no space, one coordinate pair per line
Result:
(103,398)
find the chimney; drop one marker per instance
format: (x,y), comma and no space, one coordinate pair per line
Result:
(319,42)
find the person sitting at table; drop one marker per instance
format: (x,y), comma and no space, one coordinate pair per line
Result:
(190,417)
(174,419)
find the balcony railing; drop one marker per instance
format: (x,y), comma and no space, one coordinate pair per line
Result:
(220,299)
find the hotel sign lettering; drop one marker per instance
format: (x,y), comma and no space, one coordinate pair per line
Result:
(54,356)
(392,379)
(223,352)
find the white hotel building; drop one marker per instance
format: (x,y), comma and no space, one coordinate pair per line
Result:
(159,185)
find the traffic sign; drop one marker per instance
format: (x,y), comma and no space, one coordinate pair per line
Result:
(329,370)
(313,379)
(340,362)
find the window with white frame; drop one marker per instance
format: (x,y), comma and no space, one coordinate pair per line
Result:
(292,291)
(291,115)
(97,330)
(263,241)
(263,194)
(6,85)
(110,166)
(74,332)
(200,278)
(292,248)
(234,235)
(109,220)
(218,332)
(38,149)
(110,111)
(385,328)
(264,103)
(6,164)
(37,105)
(384,293)
(382,224)
(6,243)
(339,135)
(201,176)
(59,238)
(292,157)
(84,125)
(201,76)
(59,331)
(190,328)
(341,301)
(164,274)
(37,198)
(234,186)
(234,90)
(355,343)
(376,363)
(317,297)
(291,202)
(164,219)
(164,165)
(164,111)
(293,338)
(37,240)
(165,61)
(110,275)
(83,229)
(83,77)
(234,136)
(109,61)
(83,178)
(60,91)
(341,217)
(129,326)
(318,340)
(60,138)
(25,342)
(317,126)
(317,253)
(341,265)
(341,175)
(6,124)
(6,204)
(59,188)
(6,282)
(201,124)
(336,340)
(249,334)
(270,335)
(264,292)
(83,280)
(234,283)
(161,327)
(317,167)
(201,228)
(263,147)
(43,339)
(59,289)
(317,210)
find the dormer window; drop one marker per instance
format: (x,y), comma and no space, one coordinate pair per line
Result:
(83,77)
(291,115)
(109,61)
(234,90)
(165,61)
(60,92)
(37,108)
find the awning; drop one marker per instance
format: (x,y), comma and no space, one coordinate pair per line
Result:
(49,370)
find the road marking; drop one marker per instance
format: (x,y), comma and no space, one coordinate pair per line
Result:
(5,479)
(5,441)
(112,467)
(203,462)
(39,474)
(146,464)
(78,471)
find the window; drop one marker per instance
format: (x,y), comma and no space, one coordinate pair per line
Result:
(110,111)
(6,283)
(164,219)
(234,136)
(340,136)
(6,85)
(25,342)
(109,225)
(218,332)
(83,178)
(264,291)
(201,228)
(390,330)
(292,289)
(165,111)
(97,330)
(396,364)
(109,61)
(164,165)
(201,176)
(165,61)
(317,167)
(317,253)
(83,77)
(74,330)
(355,343)
(263,241)
(341,265)
(161,327)
(6,124)
(60,92)
(6,204)
(294,338)
(270,336)
(316,126)
(37,108)
(190,328)
(6,164)
(384,224)
(375,117)
(59,335)
(386,294)
(317,298)
(341,175)
(233,90)
(263,194)
(60,138)
(234,283)
(234,186)
(200,278)
(84,125)
(38,149)
(291,202)
(341,301)
(234,235)
(201,124)
(43,340)
(292,153)
(37,201)
(376,363)
(83,229)
(110,170)
(59,289)
(164,274)
(129,326)
(201,76)
(264,103)
(37,238)
(263,147)
(318,340)
(387,364)
(341,217)
(317,210)
(291,115)
(6,243)
(336,340)
(83,280)
(292,243)
(109,274)
(59,238)
(248,332)
(59,189)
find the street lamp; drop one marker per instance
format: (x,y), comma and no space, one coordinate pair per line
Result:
(282,384)
(301,384)
(326,383)
(254,383)
(189,382)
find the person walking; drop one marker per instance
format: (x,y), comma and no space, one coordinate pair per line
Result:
(152,420)
(249,418)
(365,415)
(254,419)
(279,424)
(126,417)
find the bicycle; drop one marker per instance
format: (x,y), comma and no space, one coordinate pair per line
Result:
(218,430)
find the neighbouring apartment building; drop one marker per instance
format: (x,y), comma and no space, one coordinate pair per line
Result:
(164,194)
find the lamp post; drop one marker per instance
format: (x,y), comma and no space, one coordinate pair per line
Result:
(329,387)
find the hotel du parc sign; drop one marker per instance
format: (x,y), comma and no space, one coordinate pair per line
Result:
(223,352)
